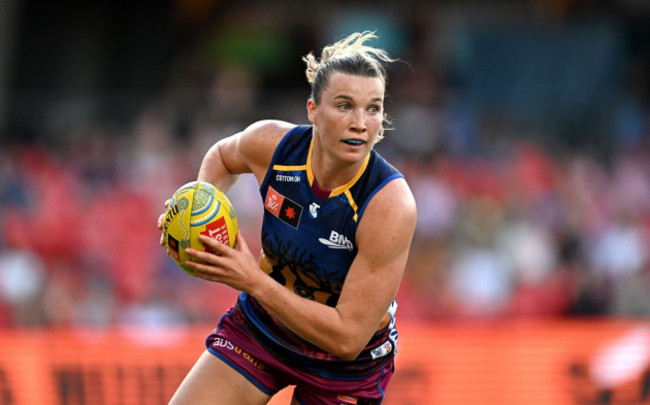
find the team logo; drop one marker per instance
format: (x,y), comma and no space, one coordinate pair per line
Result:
(337,241)
(313,210)
(283,208)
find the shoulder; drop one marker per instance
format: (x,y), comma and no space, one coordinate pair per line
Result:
(254,146)
(396,196)
(392,211)
(267,132)
(271,127)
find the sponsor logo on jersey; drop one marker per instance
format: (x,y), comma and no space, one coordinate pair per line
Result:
(382,350)
(283,208)
(313,210)
(287,178)
(337,241)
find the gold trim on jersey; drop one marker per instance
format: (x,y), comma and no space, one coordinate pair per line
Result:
(310,173)
(340,189)
(353,204)
(285,168)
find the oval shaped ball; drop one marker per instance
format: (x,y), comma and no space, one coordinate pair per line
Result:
(197,208)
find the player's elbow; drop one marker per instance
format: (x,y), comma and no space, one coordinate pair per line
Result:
(348,355)
(347,349)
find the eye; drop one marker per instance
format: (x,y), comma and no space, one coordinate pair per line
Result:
(344,107)
(375,109)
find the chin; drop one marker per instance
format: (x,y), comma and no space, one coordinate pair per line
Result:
(354,157)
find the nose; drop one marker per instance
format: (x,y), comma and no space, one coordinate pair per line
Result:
(359,121)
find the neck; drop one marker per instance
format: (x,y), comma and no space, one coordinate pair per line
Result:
(330,174)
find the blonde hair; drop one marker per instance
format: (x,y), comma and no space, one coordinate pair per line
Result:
(351,56)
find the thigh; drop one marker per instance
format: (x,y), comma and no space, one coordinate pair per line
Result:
(211,381)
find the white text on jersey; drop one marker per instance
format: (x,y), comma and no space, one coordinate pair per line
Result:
(337,241)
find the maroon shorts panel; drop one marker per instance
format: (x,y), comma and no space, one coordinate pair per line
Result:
(270,374)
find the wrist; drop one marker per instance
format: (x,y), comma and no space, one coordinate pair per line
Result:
(259,284)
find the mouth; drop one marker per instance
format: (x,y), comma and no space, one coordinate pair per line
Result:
(354,142)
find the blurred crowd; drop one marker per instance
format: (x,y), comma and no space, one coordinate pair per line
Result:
(518,233)
(509,225)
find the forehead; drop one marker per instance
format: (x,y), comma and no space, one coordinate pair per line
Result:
(354,86)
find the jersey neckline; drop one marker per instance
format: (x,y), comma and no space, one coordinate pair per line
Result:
(340,189)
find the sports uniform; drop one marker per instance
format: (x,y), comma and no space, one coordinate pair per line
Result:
(308,245)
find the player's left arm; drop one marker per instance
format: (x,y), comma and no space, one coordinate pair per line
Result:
(383,238)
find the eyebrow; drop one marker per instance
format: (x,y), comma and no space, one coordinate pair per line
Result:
(348,98)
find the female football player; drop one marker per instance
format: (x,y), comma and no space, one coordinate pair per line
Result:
(316,309)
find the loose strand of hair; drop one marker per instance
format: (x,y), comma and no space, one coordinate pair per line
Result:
(353,44)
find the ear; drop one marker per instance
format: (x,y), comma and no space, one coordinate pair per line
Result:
(311,111)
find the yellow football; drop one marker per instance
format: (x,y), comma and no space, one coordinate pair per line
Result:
(197,208)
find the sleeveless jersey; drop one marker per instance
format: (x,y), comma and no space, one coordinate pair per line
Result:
(309,244)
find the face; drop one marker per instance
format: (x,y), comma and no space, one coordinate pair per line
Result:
(349,116)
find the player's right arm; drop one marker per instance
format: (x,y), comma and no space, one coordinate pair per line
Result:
(249,151)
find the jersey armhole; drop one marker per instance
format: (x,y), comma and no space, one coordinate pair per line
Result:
(376,190)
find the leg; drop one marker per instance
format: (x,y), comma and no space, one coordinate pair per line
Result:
(211,381)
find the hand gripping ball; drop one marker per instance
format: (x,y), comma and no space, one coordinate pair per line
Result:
(197,208)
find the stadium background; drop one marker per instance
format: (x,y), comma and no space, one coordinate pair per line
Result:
(522,127)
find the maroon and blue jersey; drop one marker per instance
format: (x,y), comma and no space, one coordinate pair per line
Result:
(308,246)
